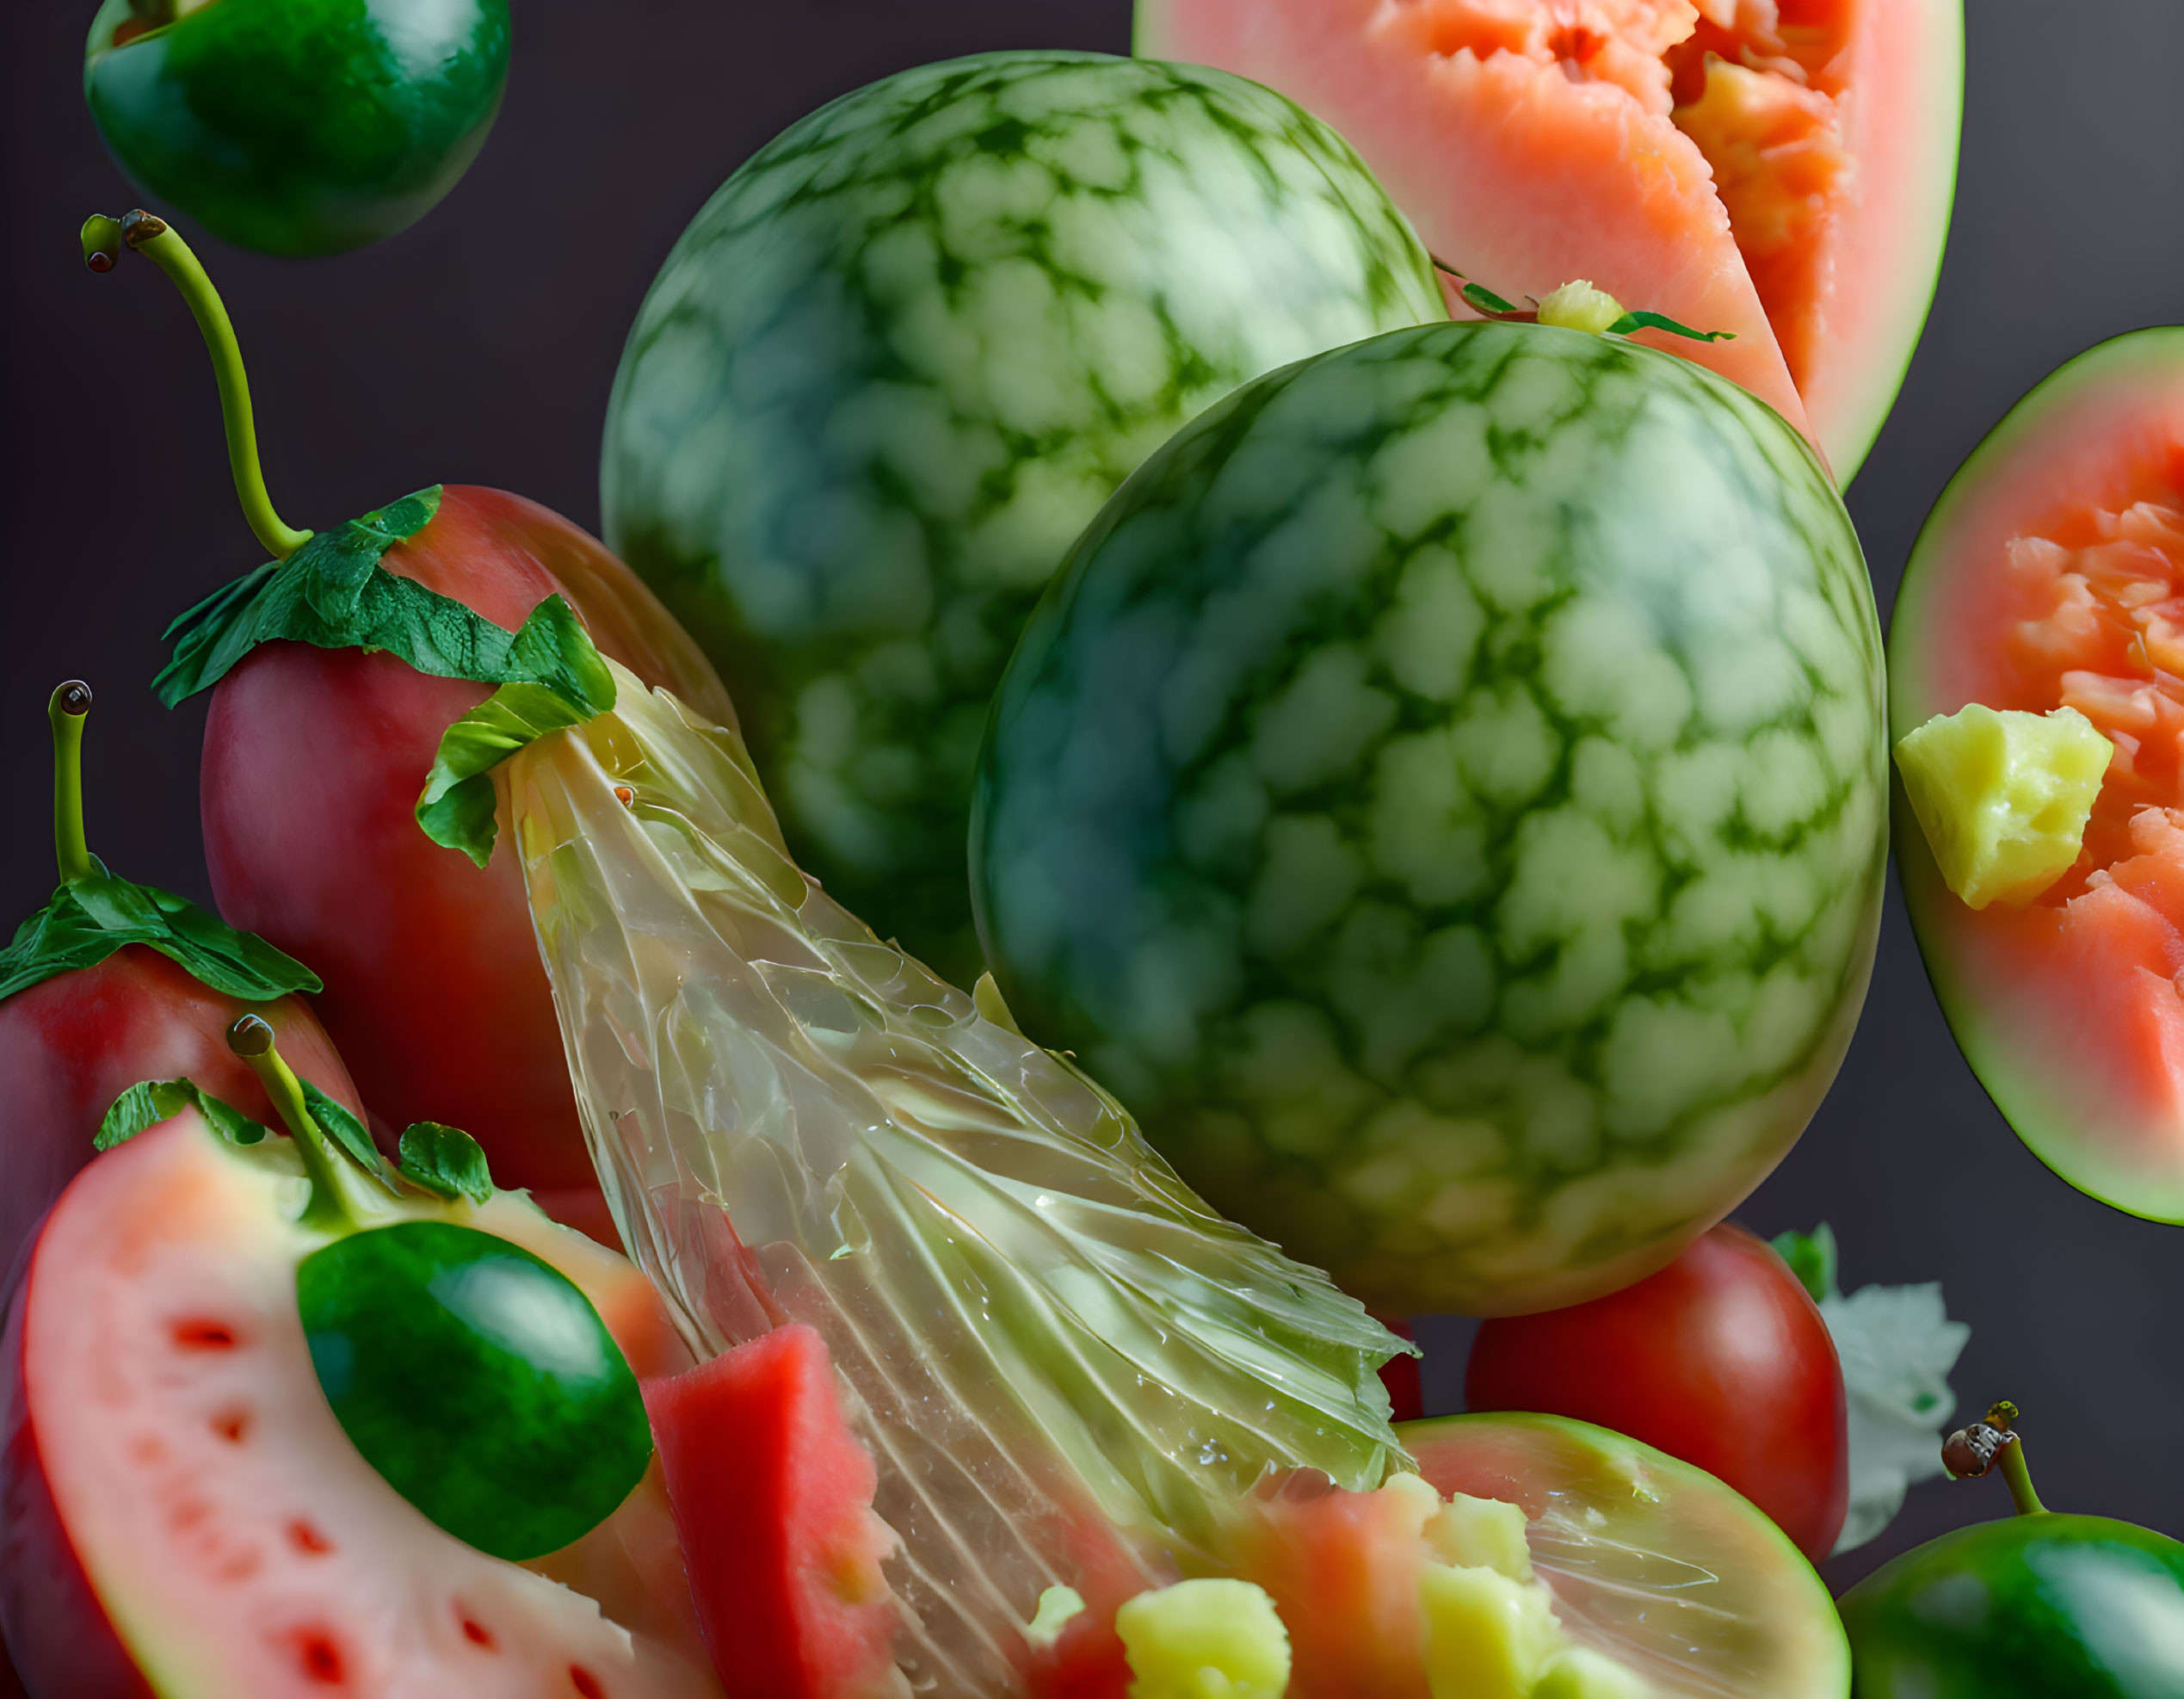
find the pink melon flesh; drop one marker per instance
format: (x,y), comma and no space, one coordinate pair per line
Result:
(2051,573)
(237,1542)
(773,1494)
(1784,173)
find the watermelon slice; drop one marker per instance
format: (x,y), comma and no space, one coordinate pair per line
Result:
(2050,574)
(1780,170)
(771,1493)
(168,1443)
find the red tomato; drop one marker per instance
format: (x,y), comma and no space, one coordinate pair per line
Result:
(1721,1359)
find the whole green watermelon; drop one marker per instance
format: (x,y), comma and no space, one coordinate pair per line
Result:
(900,359)
(1444,796)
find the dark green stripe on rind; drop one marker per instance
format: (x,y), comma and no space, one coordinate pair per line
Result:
(1444,798)
(2017,1037)
(903,356)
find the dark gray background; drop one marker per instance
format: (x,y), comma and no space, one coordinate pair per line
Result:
(479,347)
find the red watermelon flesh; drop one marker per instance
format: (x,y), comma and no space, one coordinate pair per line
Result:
(165,1409)
(2051,573)
(773,1494)
(1781,172)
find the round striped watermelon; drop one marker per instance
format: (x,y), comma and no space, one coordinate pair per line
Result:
(1445,796)
(896,364)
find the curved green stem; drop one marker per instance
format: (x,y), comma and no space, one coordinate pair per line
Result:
(2019,1478)
(338,1203)
(67,709)
(165,247)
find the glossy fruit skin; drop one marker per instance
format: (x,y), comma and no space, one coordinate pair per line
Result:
(313,760)
(1443,795)
(301,126)
(71,1046)
(2028,1607)
(899,360)
(1721,1359)
(427,1334)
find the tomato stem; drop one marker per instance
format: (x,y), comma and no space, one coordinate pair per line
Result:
(67,709)
(102,238)
(335,1194)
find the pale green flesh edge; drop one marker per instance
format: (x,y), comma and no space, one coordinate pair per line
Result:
(1266,985)
(1816,1651)
(1924,240)
(2050,1118)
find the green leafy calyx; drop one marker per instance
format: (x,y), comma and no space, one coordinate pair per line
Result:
(444,1160)
(89,919)
(1812,1259)
(1483,301)
(152,1101)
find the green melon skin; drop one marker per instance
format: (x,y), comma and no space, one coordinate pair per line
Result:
(2045,1606)
(1445,797)
(900,359)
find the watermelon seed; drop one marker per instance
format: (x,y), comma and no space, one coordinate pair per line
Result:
(586,1682)
(478,1633)
(305,1538)
(199,1334)
(232,1425)
(321,1656)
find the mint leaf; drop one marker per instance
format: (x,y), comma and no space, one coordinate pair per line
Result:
(152,1101)
(344,1128)
(456,806)
(91,917)
(1811,1258)
(1661,321)
(445,1160)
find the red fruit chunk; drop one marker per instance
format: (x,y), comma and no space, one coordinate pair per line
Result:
(773,1494)
(71,1046)
(314,761)
(1721,1359)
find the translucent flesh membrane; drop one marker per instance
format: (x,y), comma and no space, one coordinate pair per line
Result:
(2051,574)
(1065,1364)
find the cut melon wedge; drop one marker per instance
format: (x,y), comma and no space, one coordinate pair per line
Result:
(162,1395)
(1652,1563)
(1784,173)
(2050,574)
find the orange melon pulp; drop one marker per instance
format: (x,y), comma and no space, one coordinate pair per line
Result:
(2051,573)
(1782,171)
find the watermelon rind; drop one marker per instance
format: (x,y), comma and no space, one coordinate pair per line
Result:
(2014,1035)
(900,358)
(1444,796)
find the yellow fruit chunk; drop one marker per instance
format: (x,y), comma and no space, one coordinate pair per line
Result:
(1487,1636)
(1204,1639)
(1579,1673)
(2003,797)
(1483,1533)
(1579,306)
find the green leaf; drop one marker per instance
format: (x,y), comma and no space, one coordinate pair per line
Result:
(1485,300)
(445,1160)
(1811,1258)
(456,806)
(89,919)
(152,1101)
(344,1128)
(1661,321)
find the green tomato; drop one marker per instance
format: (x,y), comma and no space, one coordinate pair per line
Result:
(477,1379)
(2031,1607)
(297,127)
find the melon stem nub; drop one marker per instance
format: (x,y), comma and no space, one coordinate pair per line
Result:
(69,703)
(335,1192)
(102,239)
